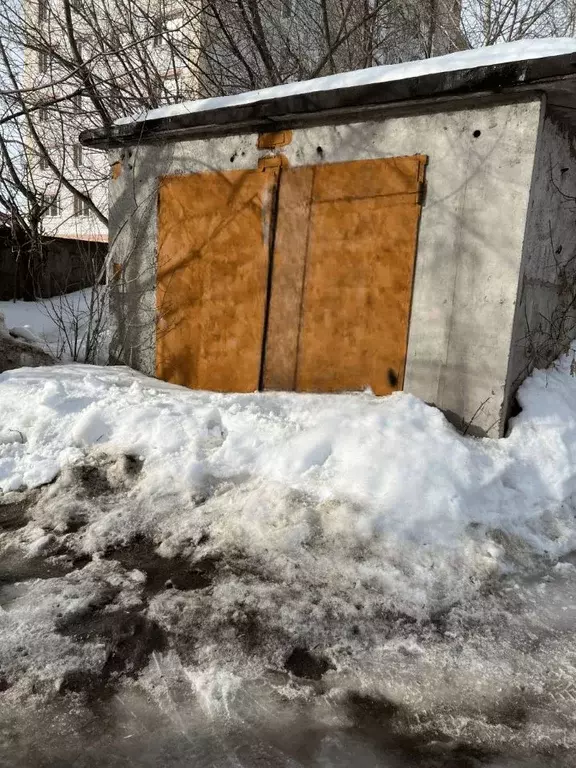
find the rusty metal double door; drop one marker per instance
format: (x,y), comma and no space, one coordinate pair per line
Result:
(288,278)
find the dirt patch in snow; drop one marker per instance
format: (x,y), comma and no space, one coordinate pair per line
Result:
(163,572)
(16,567)
(303,663)
(130,639)
(92,480)
(14,511)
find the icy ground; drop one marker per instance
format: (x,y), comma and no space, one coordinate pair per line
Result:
(192,579)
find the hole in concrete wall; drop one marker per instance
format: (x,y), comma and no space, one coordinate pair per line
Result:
(319,151)
(392,377)
(477,133)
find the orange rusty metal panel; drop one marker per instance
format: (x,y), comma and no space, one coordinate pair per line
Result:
(295,199)
(116,170)
(359,273)
(214,231)
(274,140)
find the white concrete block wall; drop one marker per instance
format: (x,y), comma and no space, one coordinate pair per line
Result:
(545,320)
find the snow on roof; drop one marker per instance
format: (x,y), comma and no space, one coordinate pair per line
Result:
(523,50)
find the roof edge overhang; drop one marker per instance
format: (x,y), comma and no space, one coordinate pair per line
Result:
(511,78)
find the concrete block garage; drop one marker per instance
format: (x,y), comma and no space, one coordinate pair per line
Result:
(400,228)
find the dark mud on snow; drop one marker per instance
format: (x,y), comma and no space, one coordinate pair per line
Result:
(142,707)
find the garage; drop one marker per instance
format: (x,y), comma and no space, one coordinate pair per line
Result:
(401,228)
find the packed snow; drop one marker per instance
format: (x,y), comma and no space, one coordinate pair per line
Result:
(522,50)
(282,579)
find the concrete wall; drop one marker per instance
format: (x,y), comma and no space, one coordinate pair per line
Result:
(545,320)
(469,254)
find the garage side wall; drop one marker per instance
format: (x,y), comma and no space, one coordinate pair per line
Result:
(470,244)
(545,320)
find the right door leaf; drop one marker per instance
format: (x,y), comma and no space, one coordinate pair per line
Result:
(356,282)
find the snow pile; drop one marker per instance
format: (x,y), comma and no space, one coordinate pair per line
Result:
(62,325)
(523,50)
(286,477)
(18,349)
(242,567)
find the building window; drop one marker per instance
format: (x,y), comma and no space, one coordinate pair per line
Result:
(42,10)
(157,29)
(77,155)
(43,61)
(81,207)
(174,27)
(43,114)
(156,88)
(77,103)
(53,206)
(43,163)
(115,97)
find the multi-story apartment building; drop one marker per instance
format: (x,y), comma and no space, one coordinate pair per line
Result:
(91,63)
(97,60)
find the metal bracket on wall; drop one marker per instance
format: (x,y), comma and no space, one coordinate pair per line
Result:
(272,161)
(116,169)
(274,140)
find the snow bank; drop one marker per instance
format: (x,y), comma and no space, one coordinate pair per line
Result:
(59,325)
(409,565)
(20,349)
(523,50)
(283,475)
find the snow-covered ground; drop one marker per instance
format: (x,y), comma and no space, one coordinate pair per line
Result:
(62,325)
(282,579)
(389,476)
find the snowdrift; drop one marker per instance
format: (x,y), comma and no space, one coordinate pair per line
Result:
(283,474)
(18,348)
(230,569)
